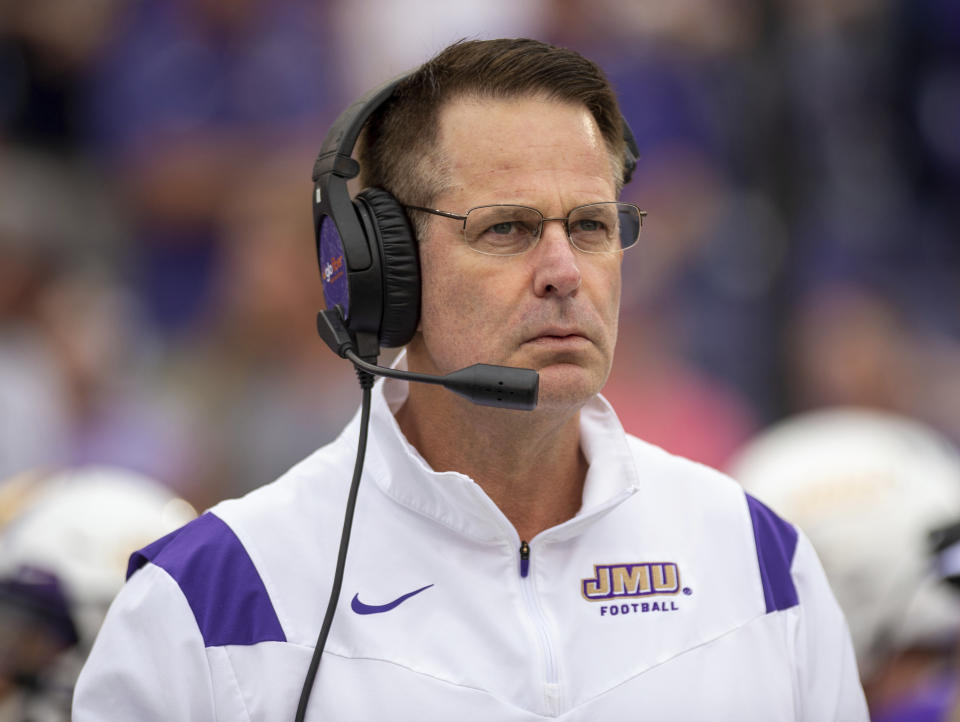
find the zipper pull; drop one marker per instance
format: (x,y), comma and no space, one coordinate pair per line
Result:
(524,559)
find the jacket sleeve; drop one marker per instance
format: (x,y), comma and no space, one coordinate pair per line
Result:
(149,661)
(829,683)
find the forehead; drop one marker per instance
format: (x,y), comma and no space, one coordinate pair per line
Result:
(517,149)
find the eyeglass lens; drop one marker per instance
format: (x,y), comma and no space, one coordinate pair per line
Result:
(592,228)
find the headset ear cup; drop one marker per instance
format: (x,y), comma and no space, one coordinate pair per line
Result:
(400,266)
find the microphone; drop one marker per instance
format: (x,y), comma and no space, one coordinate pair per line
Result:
(504,387)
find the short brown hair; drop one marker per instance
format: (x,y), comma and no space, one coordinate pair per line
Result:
(398,148)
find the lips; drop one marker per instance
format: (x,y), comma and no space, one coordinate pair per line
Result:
(558,334)
(573,325)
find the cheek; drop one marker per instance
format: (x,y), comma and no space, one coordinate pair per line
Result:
(466,313)
(607,285)
(440,310)
(447,302)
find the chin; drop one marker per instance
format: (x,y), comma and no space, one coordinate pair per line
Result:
(565,387)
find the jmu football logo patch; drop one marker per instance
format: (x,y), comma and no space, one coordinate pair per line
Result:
(625,584)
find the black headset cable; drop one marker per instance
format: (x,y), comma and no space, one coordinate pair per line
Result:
(366,383)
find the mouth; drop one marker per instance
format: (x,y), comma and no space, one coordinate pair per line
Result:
(558,337)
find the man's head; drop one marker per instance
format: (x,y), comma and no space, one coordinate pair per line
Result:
(506,122)
(398,150)
(552,307)
(498,134)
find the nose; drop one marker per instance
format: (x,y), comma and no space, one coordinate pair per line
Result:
(556,265)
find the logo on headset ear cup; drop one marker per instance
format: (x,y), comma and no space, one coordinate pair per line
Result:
(333,266)
(383,216)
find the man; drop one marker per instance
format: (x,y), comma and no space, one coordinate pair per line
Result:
(505,564)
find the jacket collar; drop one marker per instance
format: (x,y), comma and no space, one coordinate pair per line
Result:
(456,501)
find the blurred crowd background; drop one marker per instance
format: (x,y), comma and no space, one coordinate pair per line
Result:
(800,163)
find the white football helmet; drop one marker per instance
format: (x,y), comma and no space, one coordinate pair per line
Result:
(65,538)
(868,488)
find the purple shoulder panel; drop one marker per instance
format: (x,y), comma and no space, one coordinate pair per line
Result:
(776,542)
(218,578)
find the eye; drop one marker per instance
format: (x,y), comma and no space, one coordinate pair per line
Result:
(503,228)
(590,225)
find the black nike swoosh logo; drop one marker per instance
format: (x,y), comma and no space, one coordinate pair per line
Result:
(361,608)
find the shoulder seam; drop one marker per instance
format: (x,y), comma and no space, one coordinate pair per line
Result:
(219,580)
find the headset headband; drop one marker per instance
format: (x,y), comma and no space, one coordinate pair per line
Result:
(335,155)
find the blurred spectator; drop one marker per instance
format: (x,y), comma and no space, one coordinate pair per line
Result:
(380,39)
(662,394)
(185,99)
(667,401)
(868,487)
(945,547)
(64,541)
(115,412)
(49,212)
(260,385)
(46,50)
(850,344)
(74,379)
(847,346)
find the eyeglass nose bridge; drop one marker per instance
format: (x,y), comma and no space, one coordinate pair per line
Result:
(565,220)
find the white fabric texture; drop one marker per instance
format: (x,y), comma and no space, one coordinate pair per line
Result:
(480,641)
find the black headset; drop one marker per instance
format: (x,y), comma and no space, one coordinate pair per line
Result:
(367,250)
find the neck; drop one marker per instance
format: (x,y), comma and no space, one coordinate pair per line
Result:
(528,462)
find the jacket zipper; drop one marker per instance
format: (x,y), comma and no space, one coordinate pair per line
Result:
(524,559)
(552,686)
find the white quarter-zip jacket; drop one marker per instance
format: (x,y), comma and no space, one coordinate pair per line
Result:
(671,595)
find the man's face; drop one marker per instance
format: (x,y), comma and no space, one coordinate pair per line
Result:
(553,309)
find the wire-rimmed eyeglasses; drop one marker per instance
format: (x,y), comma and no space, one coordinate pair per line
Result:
(509,230)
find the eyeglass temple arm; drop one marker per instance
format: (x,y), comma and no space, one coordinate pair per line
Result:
(436,212)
